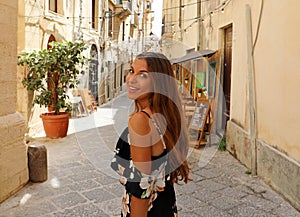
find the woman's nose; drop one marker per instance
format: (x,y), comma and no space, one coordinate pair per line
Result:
(131,78)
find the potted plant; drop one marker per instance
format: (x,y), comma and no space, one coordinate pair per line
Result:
(201,93)
(50,73)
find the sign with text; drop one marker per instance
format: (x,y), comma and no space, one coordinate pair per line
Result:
(200,115)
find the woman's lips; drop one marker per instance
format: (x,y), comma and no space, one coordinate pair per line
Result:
(132,89)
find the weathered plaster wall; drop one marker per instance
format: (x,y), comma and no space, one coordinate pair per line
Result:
(281,172)
(238,143)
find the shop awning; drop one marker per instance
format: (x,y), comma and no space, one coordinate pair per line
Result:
(193,55)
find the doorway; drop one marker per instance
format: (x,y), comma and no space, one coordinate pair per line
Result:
(227,70)
(93,72)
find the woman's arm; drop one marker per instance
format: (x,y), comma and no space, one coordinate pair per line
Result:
(140,148)
(139,207)
(140,142)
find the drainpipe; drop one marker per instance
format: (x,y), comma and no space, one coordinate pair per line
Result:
(251,90)
(79,35)
(180,20)
(143,25)
(199,26)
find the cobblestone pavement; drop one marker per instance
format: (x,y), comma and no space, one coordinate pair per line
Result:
(81,183)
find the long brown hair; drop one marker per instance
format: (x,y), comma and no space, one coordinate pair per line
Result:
(166,100)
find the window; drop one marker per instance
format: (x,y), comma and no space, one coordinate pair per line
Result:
(53,5)
(212,79)
(110,30)
(95,8)
(56,6)
(148,6)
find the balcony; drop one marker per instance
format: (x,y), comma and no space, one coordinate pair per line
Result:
(123,9)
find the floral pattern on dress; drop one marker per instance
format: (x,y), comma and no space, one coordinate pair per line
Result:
(125,203)
(151,184)
(141,185)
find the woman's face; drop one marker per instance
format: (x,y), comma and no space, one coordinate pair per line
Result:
(139,85)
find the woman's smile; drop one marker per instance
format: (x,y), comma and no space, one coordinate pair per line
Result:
(138,80)
(132,89)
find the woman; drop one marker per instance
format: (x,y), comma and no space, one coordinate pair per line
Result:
(155,157)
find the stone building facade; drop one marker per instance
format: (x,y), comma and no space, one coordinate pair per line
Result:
(258,46)
(13,155)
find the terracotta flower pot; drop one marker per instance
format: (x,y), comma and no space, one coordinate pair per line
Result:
(56,126)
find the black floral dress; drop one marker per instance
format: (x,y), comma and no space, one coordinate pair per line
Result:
(156,187)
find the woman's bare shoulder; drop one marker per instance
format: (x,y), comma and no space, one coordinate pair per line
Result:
(139,122)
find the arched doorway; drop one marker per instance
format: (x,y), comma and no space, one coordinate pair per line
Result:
(51,87)
(51,38)
(93,72)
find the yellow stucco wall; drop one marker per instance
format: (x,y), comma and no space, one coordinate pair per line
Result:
(178,37)
(278,78)
(189,24)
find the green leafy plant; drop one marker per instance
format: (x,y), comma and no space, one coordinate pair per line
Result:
(201,90)
(248,172)
(51,72)
(222,146)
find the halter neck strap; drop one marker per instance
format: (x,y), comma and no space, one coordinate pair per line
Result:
(157,128)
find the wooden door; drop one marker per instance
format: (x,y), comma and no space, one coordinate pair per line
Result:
(227,69)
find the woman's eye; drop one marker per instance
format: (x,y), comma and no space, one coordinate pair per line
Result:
(143,75)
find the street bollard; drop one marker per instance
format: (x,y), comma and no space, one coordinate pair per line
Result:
(37,162)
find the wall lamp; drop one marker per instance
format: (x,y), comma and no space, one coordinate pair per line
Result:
(186,80)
